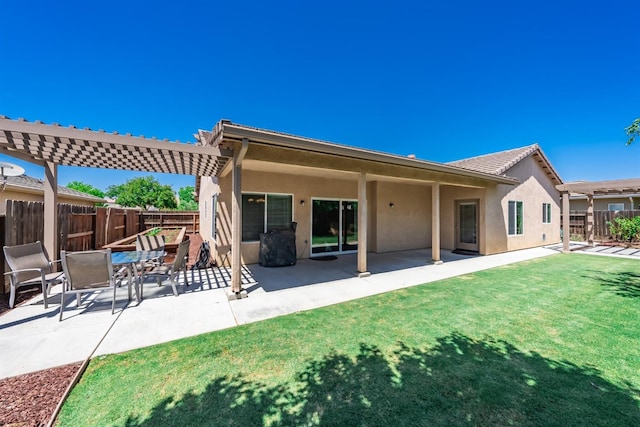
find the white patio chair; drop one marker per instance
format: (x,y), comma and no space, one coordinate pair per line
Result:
(30,266)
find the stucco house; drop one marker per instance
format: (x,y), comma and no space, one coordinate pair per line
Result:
(31,189)
(346,199)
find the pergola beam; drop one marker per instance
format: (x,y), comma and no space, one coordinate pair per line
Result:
(590,189)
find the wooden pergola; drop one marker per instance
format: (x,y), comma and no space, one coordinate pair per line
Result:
(590,189)
(53,145)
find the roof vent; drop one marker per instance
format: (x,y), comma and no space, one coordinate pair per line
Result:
(411,156)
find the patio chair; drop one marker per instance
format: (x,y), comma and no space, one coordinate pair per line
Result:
(88,271)
(30,266)
(171,270)
(150,243)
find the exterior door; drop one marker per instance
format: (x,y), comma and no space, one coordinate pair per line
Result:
(334,226)
(467,225)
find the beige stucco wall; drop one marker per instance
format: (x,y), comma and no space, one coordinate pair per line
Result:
(602,204)
(535,189)
(406,225)
(300,187)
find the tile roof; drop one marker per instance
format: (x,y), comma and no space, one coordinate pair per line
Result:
(25,181)
(499,163)
(496,163)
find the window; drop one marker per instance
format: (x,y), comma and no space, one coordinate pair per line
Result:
(546,213)
(515,218)
(263,212)
(616,206)
(214,209)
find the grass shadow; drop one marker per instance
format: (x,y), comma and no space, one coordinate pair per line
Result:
(625,283)
(459,381)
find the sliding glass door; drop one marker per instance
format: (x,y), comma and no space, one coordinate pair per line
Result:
(334,226)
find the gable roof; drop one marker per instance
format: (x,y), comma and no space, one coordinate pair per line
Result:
(499,163)
(25,182)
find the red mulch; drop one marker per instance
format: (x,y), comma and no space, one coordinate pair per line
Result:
(30,399)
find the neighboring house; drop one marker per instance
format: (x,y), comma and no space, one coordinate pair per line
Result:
(32,189)
(609,202)
(489,204)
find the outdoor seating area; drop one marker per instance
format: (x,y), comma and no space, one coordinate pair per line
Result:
(89,272)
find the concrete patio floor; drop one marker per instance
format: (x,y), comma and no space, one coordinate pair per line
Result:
(32,338)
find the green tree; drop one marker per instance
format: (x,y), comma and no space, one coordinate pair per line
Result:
(85,188)
(633,130)
(143,192)
(187,199)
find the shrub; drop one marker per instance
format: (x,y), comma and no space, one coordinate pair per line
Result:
(625,229)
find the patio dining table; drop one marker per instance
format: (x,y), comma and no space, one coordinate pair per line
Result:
(130,260)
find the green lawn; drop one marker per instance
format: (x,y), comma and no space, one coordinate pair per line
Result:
(553,341)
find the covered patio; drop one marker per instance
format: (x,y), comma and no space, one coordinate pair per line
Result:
(225,151)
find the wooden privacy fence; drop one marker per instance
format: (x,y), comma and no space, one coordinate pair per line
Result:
(578,222)
(82,228)
(188,219)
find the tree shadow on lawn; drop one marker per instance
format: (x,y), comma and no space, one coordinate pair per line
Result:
(459,381)
(625,284)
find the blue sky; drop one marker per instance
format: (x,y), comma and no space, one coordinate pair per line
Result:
(442,80)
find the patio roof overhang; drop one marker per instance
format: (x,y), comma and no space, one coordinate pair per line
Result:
(40,143)
(226,133)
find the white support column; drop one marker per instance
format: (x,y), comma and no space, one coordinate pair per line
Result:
(362,226)
(566,231)
(50,238)
(236,220)
(590,219)
(435,223)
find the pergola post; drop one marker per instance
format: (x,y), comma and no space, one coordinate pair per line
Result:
(362,225)
(435,223)
(236,219)
(566,222)
(590,219)
(50,238)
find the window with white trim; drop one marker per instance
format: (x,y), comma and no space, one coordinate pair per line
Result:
(515,226)
(616,206)
(546,213)
(262,212)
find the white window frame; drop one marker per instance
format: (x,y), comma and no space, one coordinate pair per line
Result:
(264,226)
(621,205)
(515,218)
(546,213)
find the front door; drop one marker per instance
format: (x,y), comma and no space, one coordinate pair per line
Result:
(467,225)
(335,226)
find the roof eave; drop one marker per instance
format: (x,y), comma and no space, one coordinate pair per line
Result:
(237,132)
